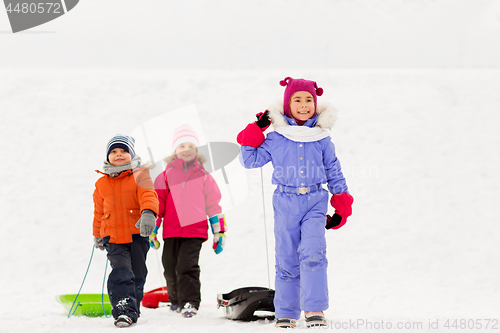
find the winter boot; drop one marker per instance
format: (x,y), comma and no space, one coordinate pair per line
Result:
(188,310)
(123,321)
(286,323)
(315,319)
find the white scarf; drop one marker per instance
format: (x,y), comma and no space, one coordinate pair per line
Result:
(302,133)
(326,119)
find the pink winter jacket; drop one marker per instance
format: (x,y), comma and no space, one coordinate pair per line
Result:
(187,195)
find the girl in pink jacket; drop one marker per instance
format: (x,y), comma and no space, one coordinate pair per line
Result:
(188,194)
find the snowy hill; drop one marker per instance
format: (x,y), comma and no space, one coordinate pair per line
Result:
(239,34)
(418,148)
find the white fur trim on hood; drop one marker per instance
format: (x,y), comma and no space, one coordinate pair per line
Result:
(327,115)
(326,118)
(172,157)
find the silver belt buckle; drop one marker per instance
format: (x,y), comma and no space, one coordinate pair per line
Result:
(302,190)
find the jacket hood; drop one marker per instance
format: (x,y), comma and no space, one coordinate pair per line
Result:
(327,115)
(198,157)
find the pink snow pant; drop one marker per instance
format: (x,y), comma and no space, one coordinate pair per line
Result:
(301,264)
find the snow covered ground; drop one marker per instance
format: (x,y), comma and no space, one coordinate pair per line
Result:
(419,149)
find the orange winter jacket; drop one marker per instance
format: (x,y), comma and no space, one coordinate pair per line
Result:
(119,201)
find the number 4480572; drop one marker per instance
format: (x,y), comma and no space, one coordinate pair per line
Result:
(472,324)
(40,7)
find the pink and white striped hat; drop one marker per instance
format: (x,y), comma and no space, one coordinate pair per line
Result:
(183,134)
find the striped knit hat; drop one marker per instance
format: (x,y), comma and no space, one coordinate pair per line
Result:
(121,141)
(183,134)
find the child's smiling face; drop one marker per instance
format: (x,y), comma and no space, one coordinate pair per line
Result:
(302,105)
(119,156)
(186,151)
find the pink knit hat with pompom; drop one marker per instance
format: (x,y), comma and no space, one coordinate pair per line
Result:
(294,85)
(183,134)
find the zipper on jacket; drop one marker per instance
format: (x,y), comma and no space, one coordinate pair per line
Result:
(186,168)
(184,164)
(114,202)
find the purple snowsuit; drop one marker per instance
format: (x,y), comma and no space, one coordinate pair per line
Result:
(299,219)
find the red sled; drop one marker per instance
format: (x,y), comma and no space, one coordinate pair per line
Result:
(154,297)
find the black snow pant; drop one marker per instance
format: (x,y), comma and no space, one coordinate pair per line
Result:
(126,280)
(182,272)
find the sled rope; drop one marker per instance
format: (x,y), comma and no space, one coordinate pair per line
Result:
(102,291)
(77,305)
(71,312)
(265,228)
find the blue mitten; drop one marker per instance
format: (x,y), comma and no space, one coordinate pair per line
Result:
(218,224)
(153,240)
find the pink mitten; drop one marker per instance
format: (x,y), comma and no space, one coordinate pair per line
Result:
(342,202)
(251,136)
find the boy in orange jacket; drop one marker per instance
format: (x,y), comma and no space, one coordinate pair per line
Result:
(125,210)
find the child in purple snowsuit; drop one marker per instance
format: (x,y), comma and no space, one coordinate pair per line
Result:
(303,157)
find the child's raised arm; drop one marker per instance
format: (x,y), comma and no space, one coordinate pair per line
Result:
(251,157)
(253,134)
(254,148)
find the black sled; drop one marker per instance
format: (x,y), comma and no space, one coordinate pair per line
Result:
(243,303)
